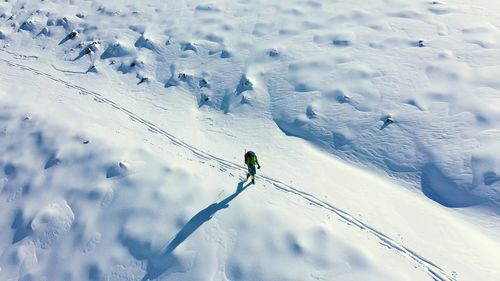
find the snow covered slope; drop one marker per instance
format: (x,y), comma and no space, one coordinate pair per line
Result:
(124,126)
(408,87)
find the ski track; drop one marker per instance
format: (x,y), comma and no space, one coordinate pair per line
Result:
(434,271)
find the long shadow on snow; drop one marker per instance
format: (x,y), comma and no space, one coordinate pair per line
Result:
(160,263)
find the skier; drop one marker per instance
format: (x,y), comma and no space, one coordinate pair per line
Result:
(250,161)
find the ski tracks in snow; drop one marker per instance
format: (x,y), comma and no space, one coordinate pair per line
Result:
(434,271)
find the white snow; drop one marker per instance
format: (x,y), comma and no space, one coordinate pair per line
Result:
(123,126)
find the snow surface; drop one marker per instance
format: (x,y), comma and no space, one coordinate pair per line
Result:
(124,124)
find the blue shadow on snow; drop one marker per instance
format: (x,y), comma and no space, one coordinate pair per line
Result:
(161,262)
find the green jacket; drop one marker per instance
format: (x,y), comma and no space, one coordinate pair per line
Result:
(252,161)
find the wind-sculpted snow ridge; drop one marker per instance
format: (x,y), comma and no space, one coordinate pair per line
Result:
(402,87)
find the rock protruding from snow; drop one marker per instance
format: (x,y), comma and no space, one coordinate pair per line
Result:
(144,42)
(244,85)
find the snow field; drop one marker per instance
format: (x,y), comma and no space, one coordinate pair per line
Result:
(406,88)
(88,217)
(173,93)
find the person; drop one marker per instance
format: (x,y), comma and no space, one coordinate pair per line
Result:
(251,161)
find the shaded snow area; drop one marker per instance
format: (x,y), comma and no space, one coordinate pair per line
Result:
(123,126)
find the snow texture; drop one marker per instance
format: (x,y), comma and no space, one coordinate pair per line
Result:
(123,125)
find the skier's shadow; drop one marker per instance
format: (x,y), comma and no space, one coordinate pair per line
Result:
(162,261)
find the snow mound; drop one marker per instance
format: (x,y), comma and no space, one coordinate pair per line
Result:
(116,50)
(51,223)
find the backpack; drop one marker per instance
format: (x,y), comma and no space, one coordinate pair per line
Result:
(249,155)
